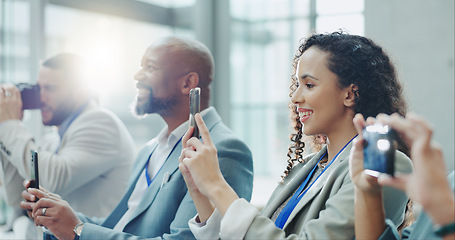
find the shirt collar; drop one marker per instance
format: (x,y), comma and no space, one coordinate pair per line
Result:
(178,132)
(67,122)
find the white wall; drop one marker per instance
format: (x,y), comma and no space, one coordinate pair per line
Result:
(419,35)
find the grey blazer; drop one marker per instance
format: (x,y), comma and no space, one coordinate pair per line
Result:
(326,211)
(94,159)
(167,206)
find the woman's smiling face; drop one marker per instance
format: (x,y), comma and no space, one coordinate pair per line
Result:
(318,98)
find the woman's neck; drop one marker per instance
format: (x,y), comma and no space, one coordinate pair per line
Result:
(336,141)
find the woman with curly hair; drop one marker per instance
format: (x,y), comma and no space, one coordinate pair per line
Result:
(336,76)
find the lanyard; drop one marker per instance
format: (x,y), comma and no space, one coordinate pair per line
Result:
(298,195)
(147,176)
(149,181)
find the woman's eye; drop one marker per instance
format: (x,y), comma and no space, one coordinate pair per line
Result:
(309,85)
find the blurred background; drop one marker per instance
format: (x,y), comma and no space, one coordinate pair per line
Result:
(253,43)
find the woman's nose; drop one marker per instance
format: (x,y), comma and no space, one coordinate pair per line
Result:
(297,96)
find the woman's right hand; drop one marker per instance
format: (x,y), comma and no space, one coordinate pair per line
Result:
(202,203)
(201,160)
(200,168)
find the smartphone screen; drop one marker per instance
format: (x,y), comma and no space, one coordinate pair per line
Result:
(195,102)
(379,149)
(34,183)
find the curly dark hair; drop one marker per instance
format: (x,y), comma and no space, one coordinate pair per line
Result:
(355,60)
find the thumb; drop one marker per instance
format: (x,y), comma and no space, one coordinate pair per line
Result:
(398,182)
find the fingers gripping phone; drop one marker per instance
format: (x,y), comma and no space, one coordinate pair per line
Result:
(195,102)
(34,182)
(379,149)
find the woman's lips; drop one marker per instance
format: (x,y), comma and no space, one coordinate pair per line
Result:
(304,114)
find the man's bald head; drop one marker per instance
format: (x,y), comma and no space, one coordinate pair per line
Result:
(186,55)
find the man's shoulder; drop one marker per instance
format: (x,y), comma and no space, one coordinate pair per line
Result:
(98,113)
(220,132)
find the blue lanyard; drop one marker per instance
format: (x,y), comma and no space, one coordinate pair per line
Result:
(147,176)
(298,195)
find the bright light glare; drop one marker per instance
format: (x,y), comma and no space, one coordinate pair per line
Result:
(102,65)
(383,144)
(103,55)
(378,128)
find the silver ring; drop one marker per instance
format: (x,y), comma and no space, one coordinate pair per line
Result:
(7,94)
(44,211)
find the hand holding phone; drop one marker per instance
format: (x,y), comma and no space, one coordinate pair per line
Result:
(34,182)
(195,102)
(379,149)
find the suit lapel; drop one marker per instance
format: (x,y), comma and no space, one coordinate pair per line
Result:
(122,207)
(140,165)
(317,186)
(169,168)
(302,171)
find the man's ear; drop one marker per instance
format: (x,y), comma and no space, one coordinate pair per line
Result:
(352,93)
(191,81)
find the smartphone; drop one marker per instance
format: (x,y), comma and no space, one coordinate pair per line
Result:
(195,101)
(34,183)
(379,149)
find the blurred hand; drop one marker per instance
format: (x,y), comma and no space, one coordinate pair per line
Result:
(361,180)
(10,103)
(428,183)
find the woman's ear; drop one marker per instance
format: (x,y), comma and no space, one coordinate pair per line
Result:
(191,81)
(352,93)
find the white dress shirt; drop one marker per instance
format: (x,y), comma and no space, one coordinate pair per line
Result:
(163,150)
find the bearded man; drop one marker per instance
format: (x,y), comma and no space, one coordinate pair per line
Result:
(89,153)
(157,203)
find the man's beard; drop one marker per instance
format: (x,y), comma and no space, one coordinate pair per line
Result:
(59,115)
(154,105)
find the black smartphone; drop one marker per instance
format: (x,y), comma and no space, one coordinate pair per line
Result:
(30,94)
(379,149)
(34,183)
(195,101)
